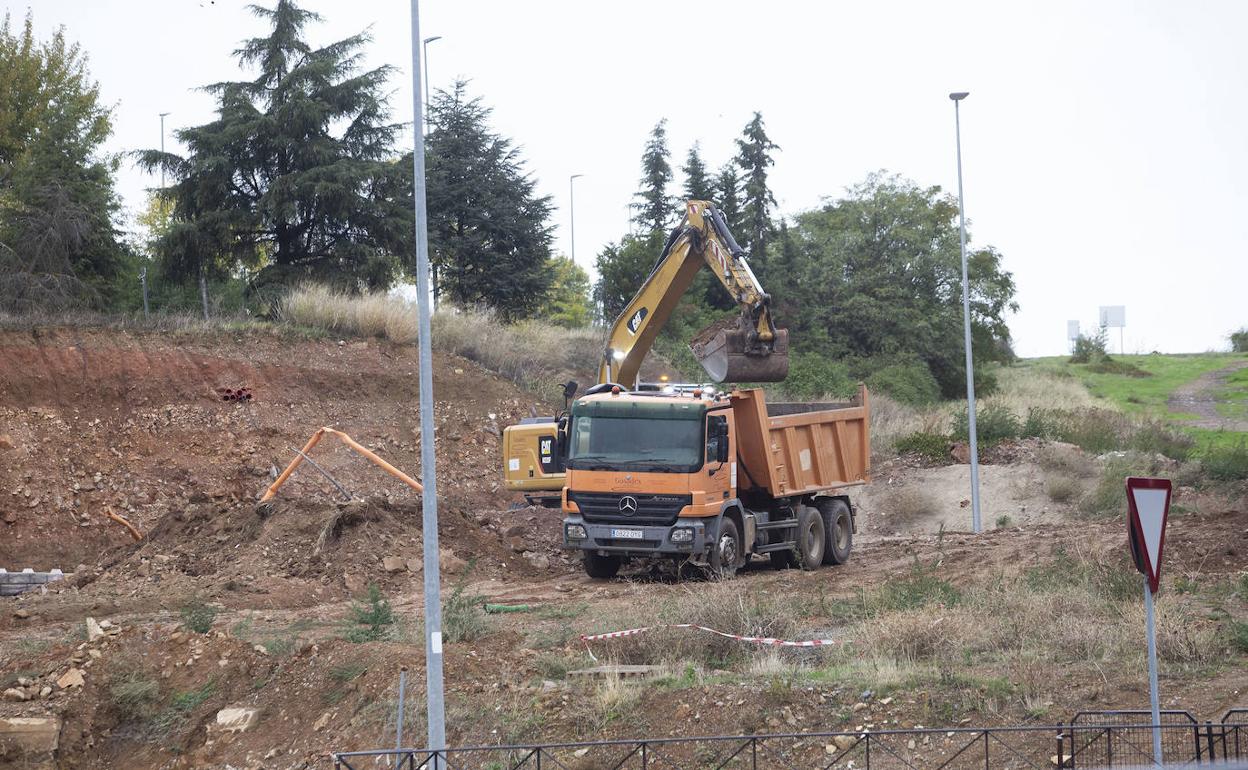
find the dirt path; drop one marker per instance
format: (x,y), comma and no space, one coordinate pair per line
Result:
(1199,397)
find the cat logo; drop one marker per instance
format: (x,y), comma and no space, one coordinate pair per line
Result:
(635,321)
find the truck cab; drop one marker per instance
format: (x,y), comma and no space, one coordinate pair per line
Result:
(663,474)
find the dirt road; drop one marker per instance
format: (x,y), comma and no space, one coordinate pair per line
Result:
(1199,397)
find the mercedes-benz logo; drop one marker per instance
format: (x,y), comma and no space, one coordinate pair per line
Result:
(628,505)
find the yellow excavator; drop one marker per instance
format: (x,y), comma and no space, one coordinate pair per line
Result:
(748,348)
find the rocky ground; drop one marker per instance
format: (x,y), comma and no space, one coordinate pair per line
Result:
(94,421)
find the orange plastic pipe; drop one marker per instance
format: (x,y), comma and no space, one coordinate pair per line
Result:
(350,442)
(134,532)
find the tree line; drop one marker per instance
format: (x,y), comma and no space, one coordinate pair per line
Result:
(299,177)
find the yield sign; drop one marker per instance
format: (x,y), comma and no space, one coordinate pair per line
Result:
(1148,503)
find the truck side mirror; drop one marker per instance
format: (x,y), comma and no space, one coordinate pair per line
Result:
(722,449)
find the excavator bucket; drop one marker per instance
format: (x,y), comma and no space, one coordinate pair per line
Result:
(727,354)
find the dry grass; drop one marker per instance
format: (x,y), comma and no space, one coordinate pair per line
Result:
(891,420)
(1061,488)
(1066,460)
(529,353)
(387,316)
(1022,388)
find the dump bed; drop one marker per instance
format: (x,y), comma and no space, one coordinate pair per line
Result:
(798,449)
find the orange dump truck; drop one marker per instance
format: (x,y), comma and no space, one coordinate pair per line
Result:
(711,478)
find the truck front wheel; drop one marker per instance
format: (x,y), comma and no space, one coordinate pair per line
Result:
(603,567)
(810,538)
(839,529)
(727,551)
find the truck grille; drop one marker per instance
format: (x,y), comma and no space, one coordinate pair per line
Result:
(612,508)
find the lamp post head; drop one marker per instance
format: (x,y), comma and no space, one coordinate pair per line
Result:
(958,96)
(429,40)
(163,114)
(575,176)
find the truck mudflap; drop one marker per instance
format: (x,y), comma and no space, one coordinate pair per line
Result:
(690,538)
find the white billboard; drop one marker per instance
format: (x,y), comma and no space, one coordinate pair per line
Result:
(1114,316)
(1072,330)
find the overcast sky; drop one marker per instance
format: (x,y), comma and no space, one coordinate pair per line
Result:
(1105,145)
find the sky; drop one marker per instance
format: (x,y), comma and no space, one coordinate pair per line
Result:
(1104,144)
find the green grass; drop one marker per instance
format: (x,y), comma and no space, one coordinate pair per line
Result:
(1233,397)
(1144,395)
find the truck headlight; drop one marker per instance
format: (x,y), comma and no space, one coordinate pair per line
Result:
(574,532)
(683,535)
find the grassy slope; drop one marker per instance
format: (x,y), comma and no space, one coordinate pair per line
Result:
(1236,393)
(1149,395)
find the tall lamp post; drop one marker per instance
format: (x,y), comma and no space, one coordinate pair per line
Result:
(435,710)
(572,211)
(425,47)
(977,524)
(162,149)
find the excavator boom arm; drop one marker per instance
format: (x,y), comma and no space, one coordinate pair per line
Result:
(752,350)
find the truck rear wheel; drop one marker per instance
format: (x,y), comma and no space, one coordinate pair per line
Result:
(839,529)
(602,567)
(810,538)
(727,551)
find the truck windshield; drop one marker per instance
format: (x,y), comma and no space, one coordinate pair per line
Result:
(647,439)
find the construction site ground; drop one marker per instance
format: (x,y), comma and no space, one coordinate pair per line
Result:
(134,423)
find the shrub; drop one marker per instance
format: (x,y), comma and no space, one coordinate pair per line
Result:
(198,616)
(932,446)
(993,424)
(910,383)
(1239,341)
(1157,436)
(1237,632)
(463,618)
(134,693)
(1089,348)
(1065,460)
(371,622)
(812,376)
(1227,462)
(1109,496)
(1061,488)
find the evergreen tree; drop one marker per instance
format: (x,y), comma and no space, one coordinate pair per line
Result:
(754,157)
(296,177)
(622,268)
(59,243)
(728,198)
(656,206)
(489,232)
(698,183)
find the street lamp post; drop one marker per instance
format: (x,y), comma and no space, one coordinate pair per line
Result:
(977,524)
(425,47)
(572,211)
(435,710)
(162,149)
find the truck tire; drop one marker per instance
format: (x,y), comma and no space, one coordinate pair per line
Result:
(726,553)
(602,567)
(810,538)
(838,528)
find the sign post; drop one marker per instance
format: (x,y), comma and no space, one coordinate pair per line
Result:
(1148,506)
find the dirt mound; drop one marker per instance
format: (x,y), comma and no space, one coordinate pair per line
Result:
(133,423)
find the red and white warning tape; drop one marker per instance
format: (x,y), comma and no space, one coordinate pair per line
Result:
(587,638)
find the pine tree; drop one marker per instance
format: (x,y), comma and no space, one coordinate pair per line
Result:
(489,232)
(296,178)
(728,197)
(698,183)
(754,157)
(656,206)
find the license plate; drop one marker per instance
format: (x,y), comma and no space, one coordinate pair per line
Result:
(627,534)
